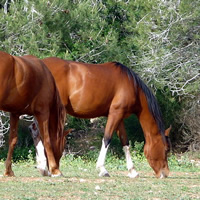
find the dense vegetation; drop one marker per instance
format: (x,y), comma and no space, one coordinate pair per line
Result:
(160,40)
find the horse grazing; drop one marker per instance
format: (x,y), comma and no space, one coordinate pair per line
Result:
(113,90)
(27,87)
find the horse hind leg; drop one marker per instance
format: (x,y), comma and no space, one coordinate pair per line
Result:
(121,132)
(112,123)
(12,142)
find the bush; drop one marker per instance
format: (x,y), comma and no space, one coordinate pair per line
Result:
(158,39)
(24,147)
(19,154)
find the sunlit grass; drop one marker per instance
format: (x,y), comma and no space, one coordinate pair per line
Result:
(81,180)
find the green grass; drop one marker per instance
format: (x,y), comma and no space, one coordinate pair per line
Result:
(81,181)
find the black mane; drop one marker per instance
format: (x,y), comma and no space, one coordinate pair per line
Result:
(152,102)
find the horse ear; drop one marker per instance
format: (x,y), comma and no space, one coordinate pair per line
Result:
(167,131)
(67,132)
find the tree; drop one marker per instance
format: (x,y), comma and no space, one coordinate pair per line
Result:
(157,39)
(169,61)
(4,126)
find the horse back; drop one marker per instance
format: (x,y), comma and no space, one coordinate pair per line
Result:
(26,82)
(89,90)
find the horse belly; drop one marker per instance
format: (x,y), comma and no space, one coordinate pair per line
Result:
(15,103)
(88,106)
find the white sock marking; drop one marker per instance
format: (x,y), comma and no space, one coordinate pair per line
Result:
(101,160)
(40,156)
(40,153)
(132,172)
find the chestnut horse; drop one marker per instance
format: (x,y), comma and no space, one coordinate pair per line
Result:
(27,87)
(113,90)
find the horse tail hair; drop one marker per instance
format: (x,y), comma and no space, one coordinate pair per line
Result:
(57,120)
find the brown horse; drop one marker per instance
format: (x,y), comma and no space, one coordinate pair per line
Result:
(27,87)
(115,91)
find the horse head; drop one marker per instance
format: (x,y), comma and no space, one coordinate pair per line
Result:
(156,153)
(61,141)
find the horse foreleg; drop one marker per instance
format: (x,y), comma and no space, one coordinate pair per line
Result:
(121,132)
(12,142)
(44,132)
(101,160)
(112,123)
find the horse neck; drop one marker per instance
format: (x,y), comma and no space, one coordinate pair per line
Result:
(147,120)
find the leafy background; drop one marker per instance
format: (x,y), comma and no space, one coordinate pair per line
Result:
(158,39)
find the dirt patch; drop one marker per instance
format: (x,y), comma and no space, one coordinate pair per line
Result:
(118,174)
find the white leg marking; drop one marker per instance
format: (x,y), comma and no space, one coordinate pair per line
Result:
(57,175)
(41,159)
(40,155)
(101,160)
(132,172)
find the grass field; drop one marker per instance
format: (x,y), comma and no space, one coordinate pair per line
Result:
(81,181)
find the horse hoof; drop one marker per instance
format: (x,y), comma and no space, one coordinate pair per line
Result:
(104,174)
(133,174)
(9,174)
(56,175)
(44,172)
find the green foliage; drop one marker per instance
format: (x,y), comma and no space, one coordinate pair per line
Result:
(134,133)
(138,147)
(24,149)
(168,103)
(158,39)
(183,162)
(77,123)
(23,29)
(134,130)
(20,154)
(79,30)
